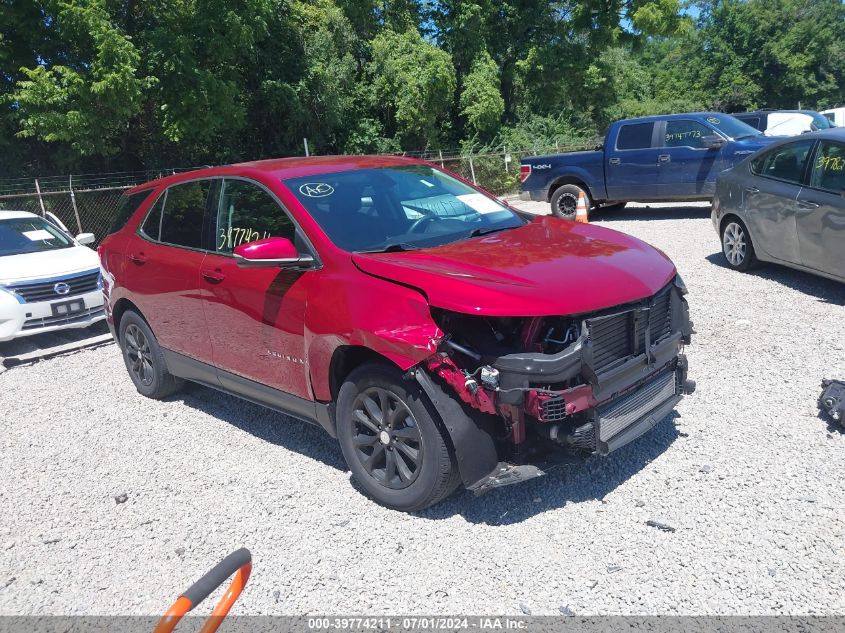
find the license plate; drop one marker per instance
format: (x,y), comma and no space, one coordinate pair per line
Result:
(66,308)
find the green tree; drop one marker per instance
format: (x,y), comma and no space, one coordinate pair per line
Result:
(413,84)
(88,99)
(773,53)
(481,101)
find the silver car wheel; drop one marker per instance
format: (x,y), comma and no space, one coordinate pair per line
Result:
(734,243)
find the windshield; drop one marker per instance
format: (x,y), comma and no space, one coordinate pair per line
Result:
(398,208)
(30,235)
(731,126)
(820,121)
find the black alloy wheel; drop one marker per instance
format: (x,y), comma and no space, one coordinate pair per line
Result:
(387,439)
(144,359)
(139,359)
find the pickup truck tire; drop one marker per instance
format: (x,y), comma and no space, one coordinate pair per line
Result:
(565,198)
(144,358)
(736,245)
(392,440)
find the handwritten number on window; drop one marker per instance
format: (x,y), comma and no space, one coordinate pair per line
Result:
(235,236)
(830,163)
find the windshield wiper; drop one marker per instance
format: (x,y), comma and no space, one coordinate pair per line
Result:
(393,248)
(481,231)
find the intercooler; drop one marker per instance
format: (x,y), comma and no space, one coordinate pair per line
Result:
(618,415)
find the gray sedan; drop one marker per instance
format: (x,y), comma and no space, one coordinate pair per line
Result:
(786,204)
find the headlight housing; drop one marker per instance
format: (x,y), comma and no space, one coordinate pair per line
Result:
(680,285)
(11,293)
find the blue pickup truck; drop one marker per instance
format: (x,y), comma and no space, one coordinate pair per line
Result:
(673,157)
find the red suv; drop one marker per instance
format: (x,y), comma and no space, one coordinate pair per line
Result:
(443,337)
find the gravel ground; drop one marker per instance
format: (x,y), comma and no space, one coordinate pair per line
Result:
(746,472)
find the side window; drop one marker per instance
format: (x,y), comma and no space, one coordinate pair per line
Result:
(181,218)
(684,133)
(829,167)
(151,226)
(247,213)
(635,136)
(786,162)
(126,208)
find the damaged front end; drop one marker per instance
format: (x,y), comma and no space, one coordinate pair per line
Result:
(558,387)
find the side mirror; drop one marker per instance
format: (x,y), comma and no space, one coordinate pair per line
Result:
(712,141)
(272,251)
(86,238)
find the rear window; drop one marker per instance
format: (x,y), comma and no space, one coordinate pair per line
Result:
(753,121)
(126,208)
(635,136)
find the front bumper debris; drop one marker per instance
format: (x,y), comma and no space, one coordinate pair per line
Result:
(624,374)
(832,400)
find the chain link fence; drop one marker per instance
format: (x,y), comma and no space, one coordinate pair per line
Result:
(88,203)
(83,203)
(83,211)
(495,169)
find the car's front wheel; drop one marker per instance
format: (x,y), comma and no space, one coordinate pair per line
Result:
(737,246)
(392,440)
(144,359)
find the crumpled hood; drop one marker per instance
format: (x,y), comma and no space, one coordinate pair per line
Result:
(547,267)
(47,264)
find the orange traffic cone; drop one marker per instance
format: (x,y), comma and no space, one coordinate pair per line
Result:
(581,209)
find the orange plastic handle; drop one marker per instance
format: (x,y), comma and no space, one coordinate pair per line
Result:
(206,585)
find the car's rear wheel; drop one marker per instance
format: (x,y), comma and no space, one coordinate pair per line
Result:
(737,246)
(144,359)
(565,201)
(392,440)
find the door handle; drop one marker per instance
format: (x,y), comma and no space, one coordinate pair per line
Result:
(807,205)
(615,161)
(664,158)
(752,190)
(138,258)
(213,276)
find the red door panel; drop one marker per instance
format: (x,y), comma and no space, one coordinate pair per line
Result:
(256,322)
(163,281)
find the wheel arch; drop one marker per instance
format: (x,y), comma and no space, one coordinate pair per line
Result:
(468,434)
(735,216)
(120,307)
(568,179)
(760,252)
(346,358)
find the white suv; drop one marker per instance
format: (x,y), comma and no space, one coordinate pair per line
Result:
(48,279)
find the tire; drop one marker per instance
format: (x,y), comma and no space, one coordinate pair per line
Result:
(423,470)
(144,359)
(736,245)
(565,198)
